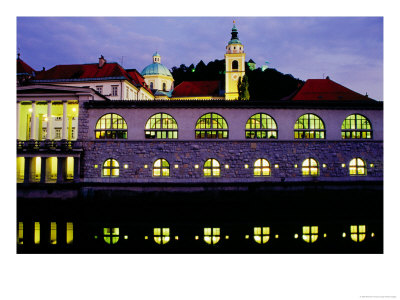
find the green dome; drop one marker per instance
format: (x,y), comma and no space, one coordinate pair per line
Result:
(156,69)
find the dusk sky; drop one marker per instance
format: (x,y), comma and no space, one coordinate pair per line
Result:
(347,49)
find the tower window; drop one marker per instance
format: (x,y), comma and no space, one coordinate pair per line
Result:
(356,127)
(211,126)
(309,126)
(161,126)
(261,126)
(235,65)
(111,126)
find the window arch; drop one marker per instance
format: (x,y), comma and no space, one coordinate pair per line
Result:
(261,126)
(212,168)
(310,167)
(211,126)
(356,126)
(161,168)
(309,126)
(235,65)
(111,126)
(110,168)
(357,167)
(161,126)
(262,167)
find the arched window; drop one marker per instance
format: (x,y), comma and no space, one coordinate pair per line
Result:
(310,233)
(262,167)
(111,126)
(161,168)
(161,235)
(356,126)
(235,65)
(357,232)
(161,126)
(110,168)
(211,126)
(211,168)
(310,167)
(309,126)
(261,234)
(261,126)
(357,167)
(211,235)
(111,235)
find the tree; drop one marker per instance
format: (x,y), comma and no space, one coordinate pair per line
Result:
(243,88)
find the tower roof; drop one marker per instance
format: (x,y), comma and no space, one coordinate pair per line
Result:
(156,69)
(234,36)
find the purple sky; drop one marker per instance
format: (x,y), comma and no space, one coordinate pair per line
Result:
(348,49)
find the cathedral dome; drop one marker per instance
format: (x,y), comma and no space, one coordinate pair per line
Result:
(156,68)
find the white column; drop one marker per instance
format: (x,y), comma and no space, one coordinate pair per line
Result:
(33,122)
(49,121)
(64,121)
(18,118)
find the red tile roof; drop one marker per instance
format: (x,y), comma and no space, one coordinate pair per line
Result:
(138,78)
(326,89)
(23,68)
(197,89)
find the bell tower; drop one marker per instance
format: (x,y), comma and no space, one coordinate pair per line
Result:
(234,65)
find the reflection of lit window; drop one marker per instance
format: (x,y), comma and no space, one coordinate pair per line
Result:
(53,233)
(211,126)
(211,168)
(357,232)
(20,233)
(70,233)
(161,126)
(36,235)
(261,167)
(111,235)
(110,168)
(261,234)
(111,126)
(357,167)
(161,168)
(310,233)
(309,126)
(211,235)
(356,126)
(261,126)
(161,235)
(310,167)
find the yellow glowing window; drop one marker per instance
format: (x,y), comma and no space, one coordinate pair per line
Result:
(161,168)
(111,126)
(70,233)
(356,126)
(211,168)
(110,168)
(161,126)
(309,126)
(262,167)
(53,233)
(357,167)
(310,233)
(261,234)
(211,126)
(357,232)
(211,235)
(36,167)
(36,234)
(111,235)
(161,235)
(20,169)
(69,168)
(51,169)
(261,126)
(310,167)
(20,233)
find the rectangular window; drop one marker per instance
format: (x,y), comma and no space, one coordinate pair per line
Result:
(44,133)
(99,88)
(72,133)
(36,234)
(58,118)
(53,233)
(70,233)
(57,132)
(20,233)
(114,90)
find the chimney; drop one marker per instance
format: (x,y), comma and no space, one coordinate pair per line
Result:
(102,61)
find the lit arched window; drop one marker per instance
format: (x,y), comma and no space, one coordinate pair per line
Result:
(262,167)
(111,235)
(111,126)
(161,126)
(261,126)
(161,168)
(309,126)
(211,168)
(310,167)
(211,126)
(261,234)
(356,126)
(211,235)
(110,168)
(310,233)
(357,233)
(235,65)
(161,235)
(357,167)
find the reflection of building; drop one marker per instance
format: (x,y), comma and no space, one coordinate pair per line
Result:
(98,173)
